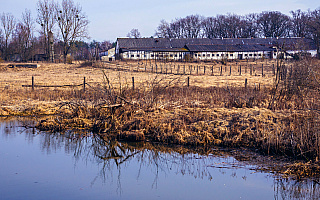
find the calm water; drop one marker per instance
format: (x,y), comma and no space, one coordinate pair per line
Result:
(52,166)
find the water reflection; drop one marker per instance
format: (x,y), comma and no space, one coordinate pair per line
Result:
(114,158)
(289,189)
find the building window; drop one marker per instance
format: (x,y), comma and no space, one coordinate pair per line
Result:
(255,54)
(176,55)
(132,56)
(222,55)
(195,55)
(204,55)
(246,55)
(231,55)
(250,54)
(138,55)
(259,54)
(212,55)
(217,55)
(152,55)
(171,55)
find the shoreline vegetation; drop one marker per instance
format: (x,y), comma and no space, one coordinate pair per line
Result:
(275,115)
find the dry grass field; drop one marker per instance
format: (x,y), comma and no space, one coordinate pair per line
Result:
(120,75)
(61,74)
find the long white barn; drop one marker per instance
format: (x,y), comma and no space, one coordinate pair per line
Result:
(211,49)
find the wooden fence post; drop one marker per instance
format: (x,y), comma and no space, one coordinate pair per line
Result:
(32,83)
(262,69)
(211,70)
(221,70)
(273,70)
(245,83)
(132,83)
(188,81)
(84,84)
(230,70)
(240,70)
(250,70)
(204,70)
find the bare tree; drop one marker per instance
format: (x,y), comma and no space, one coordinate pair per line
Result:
(1,44)
(163,30)
(273,24)
(72,23)
(24,36)
(177,28)
(314,27)
(192,26)
(209,27)
(47,22)
(251,28)
(299,26)
(134,33)
(8,24)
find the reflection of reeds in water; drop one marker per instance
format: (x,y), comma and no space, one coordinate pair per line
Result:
(113,157)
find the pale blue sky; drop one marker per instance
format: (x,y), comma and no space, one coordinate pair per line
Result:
(110,19)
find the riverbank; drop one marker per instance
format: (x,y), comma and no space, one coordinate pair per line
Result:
(161,108)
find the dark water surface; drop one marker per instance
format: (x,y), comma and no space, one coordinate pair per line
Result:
(37,165)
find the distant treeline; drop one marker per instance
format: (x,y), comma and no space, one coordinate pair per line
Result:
(264,24)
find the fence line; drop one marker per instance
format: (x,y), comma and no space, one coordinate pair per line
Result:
(33,85)
(191,69)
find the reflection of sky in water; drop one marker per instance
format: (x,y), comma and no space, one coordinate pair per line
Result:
(43,166)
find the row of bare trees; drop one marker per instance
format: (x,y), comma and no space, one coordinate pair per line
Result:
(61,26)
(264,24)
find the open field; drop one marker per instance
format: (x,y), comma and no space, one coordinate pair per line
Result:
(60,74)
(214,110)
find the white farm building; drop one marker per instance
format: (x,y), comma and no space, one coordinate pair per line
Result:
(211,49)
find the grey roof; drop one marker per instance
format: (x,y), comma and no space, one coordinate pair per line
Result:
(228,48)
(241,44)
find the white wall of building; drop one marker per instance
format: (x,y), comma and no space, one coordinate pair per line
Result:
(146,55)
(230,55)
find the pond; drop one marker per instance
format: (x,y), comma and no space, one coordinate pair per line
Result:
(38,165)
